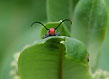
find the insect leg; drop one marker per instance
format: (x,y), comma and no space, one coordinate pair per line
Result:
(57,34)
(45,36)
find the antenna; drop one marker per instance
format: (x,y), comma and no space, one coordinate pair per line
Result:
(62,22)
(39,23)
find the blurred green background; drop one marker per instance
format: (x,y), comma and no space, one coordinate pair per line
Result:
(16,17)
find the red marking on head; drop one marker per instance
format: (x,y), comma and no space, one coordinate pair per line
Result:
(51,31)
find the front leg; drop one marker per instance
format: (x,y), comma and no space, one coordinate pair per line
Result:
(45,36)
(57,34)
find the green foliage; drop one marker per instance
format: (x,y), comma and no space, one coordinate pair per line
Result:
(64,60)
(90,21)
(49,58)
(15,32)
(104,56)
(59,10)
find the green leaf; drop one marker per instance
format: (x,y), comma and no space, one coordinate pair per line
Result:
(54,58)
(74,3)
(104,56)
(62,30)
(16,17)
(27,38)
(90,20)
(59,10)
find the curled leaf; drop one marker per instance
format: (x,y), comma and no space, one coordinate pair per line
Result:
(55,58)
